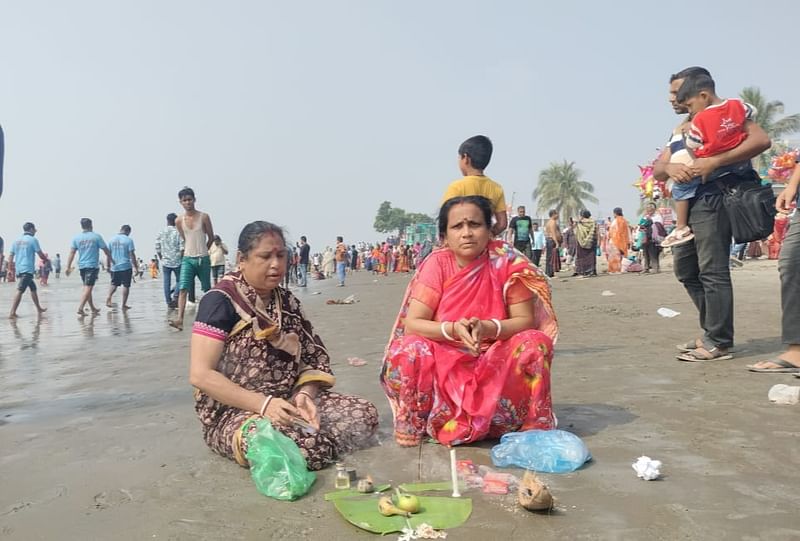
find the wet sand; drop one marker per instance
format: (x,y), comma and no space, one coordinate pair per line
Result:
(98,437)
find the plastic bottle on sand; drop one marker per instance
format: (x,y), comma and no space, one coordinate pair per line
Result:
(784,394)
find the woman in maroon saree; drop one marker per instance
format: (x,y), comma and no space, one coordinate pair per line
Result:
(469,356)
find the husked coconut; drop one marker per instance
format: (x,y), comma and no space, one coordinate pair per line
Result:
(534,495)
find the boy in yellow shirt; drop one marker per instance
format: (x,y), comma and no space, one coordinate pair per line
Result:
(473,157)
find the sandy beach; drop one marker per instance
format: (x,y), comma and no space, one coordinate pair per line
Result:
(99,440)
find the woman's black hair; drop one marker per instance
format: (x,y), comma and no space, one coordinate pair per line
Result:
(252,233)
(479,201)
(586,214)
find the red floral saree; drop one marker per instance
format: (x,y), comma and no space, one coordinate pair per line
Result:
(437,388)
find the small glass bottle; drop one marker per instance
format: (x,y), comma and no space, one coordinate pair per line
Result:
(342,477)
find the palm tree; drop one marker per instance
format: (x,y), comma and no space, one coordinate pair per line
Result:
(560,187)
(766,113)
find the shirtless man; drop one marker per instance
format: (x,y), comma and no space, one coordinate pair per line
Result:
(553,240)
(198,236)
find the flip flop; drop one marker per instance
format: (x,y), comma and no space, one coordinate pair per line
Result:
(784,367)
(701,355)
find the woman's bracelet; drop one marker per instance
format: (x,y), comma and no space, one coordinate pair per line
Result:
(301,391)
(499,327)
(267,400)
(443,328)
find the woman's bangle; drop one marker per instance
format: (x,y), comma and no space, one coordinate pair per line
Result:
(267,400)
(301,391)
(499,327)
(443,328)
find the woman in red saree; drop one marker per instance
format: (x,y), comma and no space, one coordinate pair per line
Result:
(619,240)
(469,356)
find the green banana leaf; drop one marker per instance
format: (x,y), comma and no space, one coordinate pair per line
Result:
(440,512)
(425,487)
(351,492)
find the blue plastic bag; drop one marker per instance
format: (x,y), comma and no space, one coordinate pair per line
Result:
(550,451)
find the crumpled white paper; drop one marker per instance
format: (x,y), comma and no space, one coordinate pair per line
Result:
(647,468)
(667,312)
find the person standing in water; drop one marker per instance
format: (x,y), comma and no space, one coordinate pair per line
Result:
(24,250)
(124,254)
(197,233)
(87,244)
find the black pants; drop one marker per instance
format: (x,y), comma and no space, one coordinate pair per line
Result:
(537,257)
(552,258)
(703,267)
(652,253)
(524,247)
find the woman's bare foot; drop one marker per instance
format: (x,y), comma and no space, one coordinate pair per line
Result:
(95,311)
(42,309)
(176,324)
(12,315)
(125,307)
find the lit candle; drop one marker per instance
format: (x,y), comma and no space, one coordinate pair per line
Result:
(454,473)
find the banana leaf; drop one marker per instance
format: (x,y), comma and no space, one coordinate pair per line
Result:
(426,487)
(440,512)
(352,493)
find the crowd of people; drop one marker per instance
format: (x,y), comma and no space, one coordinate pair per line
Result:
(470,352)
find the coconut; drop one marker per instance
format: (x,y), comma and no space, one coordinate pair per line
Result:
(534,495)
(365,485)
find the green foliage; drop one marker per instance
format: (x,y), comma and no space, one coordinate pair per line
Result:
(766,117)
(390,219)
(560,187)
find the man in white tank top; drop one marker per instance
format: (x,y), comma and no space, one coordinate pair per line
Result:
(198,234)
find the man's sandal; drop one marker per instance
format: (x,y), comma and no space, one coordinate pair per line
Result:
(702,355)
(689,346)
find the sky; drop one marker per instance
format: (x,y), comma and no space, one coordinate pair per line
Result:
(310,114)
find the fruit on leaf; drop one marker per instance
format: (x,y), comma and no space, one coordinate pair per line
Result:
(407,502)
(388,509)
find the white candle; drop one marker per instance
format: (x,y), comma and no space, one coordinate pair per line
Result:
(454,473)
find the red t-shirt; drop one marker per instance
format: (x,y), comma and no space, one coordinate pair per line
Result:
(719,128)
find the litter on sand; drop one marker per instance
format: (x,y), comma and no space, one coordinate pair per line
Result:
(423,531)
(784,394)
(647,468)
(356,361)
(667,312)
(608,293)
(347,300)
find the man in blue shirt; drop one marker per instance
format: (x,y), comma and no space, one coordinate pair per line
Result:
(88,245)
(24,250)
(124,256)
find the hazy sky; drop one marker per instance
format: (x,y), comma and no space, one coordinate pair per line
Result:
(309,114)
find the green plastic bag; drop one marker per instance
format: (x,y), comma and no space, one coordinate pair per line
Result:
(276,464)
